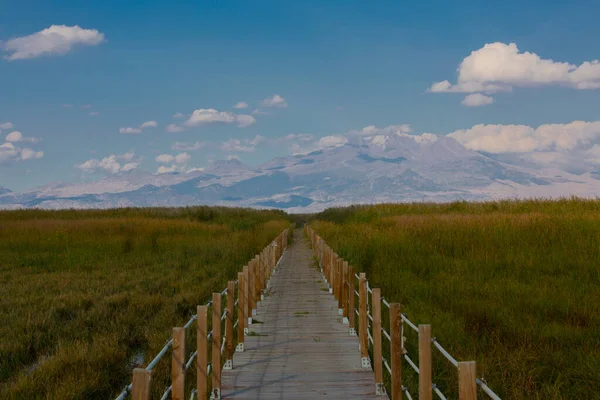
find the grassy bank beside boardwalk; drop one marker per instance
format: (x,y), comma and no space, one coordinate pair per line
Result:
(88,295)
(514,285)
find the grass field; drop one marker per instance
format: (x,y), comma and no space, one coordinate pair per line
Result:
(88,295)
(512,285)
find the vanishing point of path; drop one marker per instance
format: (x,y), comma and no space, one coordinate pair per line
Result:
(300,349)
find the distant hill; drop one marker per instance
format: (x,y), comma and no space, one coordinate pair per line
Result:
(396,168)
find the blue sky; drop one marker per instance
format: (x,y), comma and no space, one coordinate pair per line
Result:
(337,65)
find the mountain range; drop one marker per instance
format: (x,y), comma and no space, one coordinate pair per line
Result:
(392,168)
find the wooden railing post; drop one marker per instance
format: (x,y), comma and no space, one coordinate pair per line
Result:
(250,291)
(345,279)
(257,268)
(202,356)
(331,271)
(340,285)
(242,318)
(467,385)
(216,346)
(362,322)
(425,387)
(229,326)
(396,349)
(178,365)
(377,349)
(140,388)
(351,303)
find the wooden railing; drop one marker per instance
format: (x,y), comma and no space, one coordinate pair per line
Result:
(240,305)
(342,282)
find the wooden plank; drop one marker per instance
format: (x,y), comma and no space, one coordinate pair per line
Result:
(425,384)
(140,388)
(467,386)
(178,364)
(202,356)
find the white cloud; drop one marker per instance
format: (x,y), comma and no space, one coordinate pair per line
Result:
(245,146)
(339,108)
(110,164)
(274,101)
(149,124)
(301,137)
(477,100)
(174,128)
(93,113)
(130,131)
(182,158)
(164,158)
(576,135)
(8,153)
(86,106)
(332,141)
(129,166)
(55,40)
(391,130)
(500,67)
(137,131)
(164,169)
(67,106)
(28,154)
(17,136)
(178,163)
(204,116)
(127,156)
(182,146)
(241,104)
(235,145)
(258,140)
(244,120)
(178,115)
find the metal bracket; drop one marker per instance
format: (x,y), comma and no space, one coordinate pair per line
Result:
(215,394)
(228,365)
(240,346)
(253,313)
(249,323)
(330,290)
(380,389)
(365,362)
(353,333)
(340,311)
(346,321)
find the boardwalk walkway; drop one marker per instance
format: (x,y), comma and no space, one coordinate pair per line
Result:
(301,350)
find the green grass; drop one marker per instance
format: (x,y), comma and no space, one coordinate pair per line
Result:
(514,285)
(89,295)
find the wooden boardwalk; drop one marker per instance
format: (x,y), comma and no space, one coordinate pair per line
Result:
(300,349)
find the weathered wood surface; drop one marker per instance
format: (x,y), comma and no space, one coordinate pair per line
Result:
(301,350)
